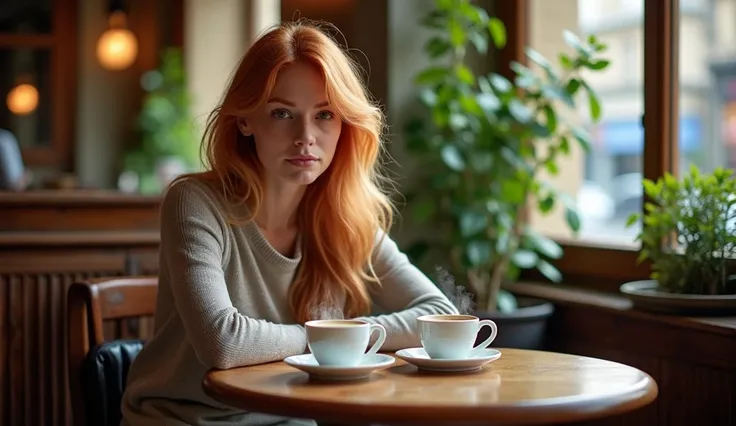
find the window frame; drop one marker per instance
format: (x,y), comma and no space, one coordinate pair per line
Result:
(597,266)
(61,43)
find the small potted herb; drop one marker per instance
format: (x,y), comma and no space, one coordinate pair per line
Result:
(688,235)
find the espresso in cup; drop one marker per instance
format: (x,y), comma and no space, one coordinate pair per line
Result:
(453,336)
(342,343)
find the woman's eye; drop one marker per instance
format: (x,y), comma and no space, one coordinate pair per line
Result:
(325,115)
(281,113)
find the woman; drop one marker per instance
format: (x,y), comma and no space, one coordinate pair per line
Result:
(287,225)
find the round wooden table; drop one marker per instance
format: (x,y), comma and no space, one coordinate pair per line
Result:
(521,388)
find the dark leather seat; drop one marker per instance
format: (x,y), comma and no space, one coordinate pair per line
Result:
(99,358)
(104,373)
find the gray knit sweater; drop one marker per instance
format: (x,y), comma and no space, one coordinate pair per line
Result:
(222,303)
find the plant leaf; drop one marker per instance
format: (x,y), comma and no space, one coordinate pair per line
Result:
(565,61)
(633,219)
(540,60)
(599,64)
(519,111)
(506,302)
(551,116)
(478,252)
(595,107)
(500,83)
(593,102)
(428,97)
(572,218)
(498,32)
(431,75)
(582,137)
(480,42)
(545,246)
(572,86)
(512,191)
(564,145)
(452,158)
(437,47)
(464,74)
(457,34)
(472,223)
(525,259)
(573,41)
(488,102)
(549,271)
(546,204)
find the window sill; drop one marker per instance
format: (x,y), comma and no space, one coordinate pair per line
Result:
(575,297)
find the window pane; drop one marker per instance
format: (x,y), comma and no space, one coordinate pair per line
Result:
(26,90)
(26,16)
(707,67)
(606,182)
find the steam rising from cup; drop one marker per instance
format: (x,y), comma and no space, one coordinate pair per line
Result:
(326,311)
(458,295)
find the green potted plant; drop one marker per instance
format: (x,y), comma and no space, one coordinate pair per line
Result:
(482,146)
(688,235)
(167,140)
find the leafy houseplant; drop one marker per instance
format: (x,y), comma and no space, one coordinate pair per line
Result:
(165,128)
(483,144)
(689,232)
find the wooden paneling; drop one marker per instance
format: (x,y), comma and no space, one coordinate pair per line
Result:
(46,243)
(32,382)
(84,210)
(693,360)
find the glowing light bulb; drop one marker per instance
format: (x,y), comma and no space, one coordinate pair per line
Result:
(22,99)
(117,47)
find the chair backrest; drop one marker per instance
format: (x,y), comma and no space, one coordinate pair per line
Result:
(90,359)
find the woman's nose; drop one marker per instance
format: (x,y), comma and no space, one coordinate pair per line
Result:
(305,136)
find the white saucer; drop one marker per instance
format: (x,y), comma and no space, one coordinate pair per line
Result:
(370,363)
(419,358)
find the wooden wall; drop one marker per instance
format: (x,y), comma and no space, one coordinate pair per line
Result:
(47,241)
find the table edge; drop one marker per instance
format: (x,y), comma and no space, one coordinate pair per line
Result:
(548,411)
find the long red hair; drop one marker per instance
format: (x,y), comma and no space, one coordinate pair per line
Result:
(343,211)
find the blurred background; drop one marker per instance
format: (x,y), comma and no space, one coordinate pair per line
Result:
(112,94)
(103,103)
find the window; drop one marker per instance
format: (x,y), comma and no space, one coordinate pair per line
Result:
(37,45)
(647,122)
(707,87)
(609,189)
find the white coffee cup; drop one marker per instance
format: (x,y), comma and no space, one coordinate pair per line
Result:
(342,343)
(453,336)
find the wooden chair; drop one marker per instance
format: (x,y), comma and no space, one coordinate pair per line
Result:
(93,361)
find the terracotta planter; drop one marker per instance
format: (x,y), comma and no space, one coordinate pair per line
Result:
(522,329)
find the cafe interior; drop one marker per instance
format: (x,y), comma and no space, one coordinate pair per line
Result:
(104,103)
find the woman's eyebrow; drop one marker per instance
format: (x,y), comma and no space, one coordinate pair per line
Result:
(292,104)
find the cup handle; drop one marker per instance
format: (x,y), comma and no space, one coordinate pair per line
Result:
(379,342)
(490,339)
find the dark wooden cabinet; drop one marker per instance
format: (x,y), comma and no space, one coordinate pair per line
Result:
(47,241)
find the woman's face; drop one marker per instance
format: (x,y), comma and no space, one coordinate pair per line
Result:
(295,131)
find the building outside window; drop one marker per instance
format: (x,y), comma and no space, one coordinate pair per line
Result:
(607,182)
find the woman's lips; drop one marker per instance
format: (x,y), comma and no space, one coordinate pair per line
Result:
(304,162)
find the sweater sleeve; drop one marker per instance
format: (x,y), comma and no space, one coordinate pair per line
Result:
(405,292)
(194,246)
